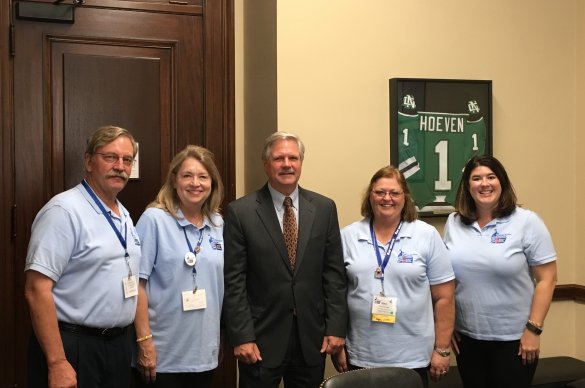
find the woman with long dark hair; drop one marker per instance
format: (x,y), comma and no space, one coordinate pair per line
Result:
(505,268)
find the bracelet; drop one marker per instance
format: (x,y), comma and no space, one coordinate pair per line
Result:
(146,337)
(533,327)
(442,352)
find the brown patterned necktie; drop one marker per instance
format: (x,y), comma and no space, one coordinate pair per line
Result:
(289,230)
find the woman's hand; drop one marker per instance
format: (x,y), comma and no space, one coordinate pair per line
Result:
(439,366)
(146,361)
(529,348)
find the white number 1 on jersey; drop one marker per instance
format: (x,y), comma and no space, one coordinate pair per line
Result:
(442,149)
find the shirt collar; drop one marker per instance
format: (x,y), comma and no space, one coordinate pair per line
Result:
(493,223)
(123,212)
(278,198)
(363,233)
(183,222)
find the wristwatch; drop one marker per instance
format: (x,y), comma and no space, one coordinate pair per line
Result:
(534,327)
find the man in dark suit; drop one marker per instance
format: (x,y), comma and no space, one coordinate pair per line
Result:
(284,309)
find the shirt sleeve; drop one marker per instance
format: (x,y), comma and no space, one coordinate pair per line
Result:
(537,241)
(439,269)
(52,242)
(147,232)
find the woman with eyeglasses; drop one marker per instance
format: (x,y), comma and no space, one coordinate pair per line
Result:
(181,287)
(505,264)
(400,285)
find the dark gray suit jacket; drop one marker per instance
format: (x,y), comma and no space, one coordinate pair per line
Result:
(261,291)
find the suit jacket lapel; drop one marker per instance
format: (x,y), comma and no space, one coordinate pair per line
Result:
(306,218)
(267,214)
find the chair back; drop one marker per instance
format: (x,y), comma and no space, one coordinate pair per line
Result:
(387,377)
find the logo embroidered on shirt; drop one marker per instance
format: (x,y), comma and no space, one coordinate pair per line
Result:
(404,257)
(215,243)
(498,238)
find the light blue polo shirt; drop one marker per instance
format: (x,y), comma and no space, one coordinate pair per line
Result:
(73,244)
(418,260)
(185,341)
(494,287)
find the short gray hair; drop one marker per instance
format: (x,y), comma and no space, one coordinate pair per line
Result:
(277,136)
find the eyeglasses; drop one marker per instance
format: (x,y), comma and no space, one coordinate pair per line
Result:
(113,158)
(382,194)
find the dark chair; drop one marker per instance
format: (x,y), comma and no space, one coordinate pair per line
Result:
(387,377)
(551,372)
(576,384)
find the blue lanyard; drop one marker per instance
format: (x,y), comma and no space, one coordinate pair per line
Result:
(197,247)
(382,264)
(109,218)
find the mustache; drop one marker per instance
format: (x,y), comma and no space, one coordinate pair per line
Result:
(118,174)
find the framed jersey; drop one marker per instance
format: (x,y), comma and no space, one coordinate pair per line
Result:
(436,126)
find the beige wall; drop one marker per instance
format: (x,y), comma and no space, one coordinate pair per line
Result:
(333,63)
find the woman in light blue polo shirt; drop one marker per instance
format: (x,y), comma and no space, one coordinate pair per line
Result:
(505,267)
(181,276)
(400,284)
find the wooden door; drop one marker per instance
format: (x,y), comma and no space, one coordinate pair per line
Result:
(160,70)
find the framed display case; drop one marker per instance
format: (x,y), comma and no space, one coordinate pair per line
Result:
(436,126)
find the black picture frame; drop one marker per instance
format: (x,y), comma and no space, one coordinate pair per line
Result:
(436,126)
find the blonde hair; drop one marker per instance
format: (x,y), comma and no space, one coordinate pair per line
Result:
(167,197)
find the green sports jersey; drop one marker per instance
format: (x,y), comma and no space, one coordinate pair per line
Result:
(433,149)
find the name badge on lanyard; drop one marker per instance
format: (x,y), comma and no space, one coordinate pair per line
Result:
(194,299)
(383,307)
(130,286)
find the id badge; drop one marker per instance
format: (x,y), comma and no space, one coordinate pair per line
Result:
(194,300)
(130,286)
(384,309)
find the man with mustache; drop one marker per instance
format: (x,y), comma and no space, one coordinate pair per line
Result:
(81,274)
(284,305)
